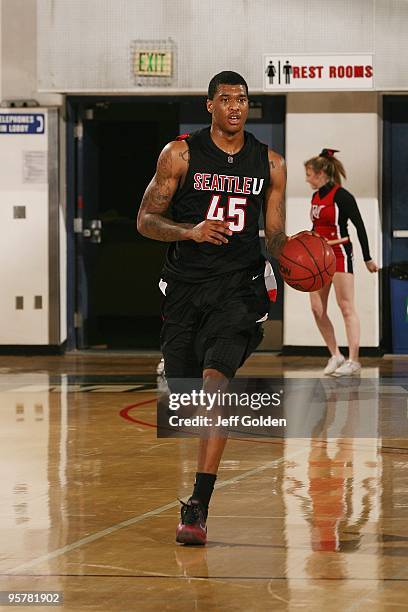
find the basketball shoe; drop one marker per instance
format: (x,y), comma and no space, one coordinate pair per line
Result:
(192,528)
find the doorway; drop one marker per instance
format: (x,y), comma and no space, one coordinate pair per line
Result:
(395,188)
(113,145)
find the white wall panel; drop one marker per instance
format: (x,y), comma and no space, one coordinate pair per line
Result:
(334,124)
(24,253)
(29,242)
(299,326)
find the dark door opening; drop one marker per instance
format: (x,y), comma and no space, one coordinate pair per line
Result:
(118,296)
(117,299)
(395,217)
(126,311)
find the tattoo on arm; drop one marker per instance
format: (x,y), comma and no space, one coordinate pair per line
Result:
(153,218)
(185,155)
(275,226)
(276,237)
(275,243)
(164,229)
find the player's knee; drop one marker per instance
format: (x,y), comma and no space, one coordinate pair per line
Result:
(214,375)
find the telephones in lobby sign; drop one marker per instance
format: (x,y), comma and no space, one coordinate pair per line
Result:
(317,72)
(21,123)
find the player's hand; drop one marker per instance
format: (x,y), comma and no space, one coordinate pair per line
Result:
(211,231)
(371,266)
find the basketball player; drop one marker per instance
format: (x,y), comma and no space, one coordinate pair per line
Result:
(218,181)
(332,208)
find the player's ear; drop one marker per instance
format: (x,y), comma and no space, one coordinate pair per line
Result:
(210,106)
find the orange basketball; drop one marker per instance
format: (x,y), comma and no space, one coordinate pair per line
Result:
(307,262)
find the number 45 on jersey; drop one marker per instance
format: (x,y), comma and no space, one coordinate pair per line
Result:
(234,211)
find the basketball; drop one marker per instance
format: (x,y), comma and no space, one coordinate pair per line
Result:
(307,262)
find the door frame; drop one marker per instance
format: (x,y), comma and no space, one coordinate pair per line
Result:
(76,106)
(387,227)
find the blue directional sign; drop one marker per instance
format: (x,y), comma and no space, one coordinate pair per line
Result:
(22,123)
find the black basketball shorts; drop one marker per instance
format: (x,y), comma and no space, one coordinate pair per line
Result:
(214,324)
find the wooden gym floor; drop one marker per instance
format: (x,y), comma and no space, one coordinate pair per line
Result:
(89,506)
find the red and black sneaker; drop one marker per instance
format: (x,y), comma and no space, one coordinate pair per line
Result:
(192,528)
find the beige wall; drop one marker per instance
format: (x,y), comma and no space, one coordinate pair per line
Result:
(337,120)
(18,52)
(348,122)
(18,49)
(85,44)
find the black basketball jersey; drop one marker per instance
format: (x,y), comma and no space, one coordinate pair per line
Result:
(225,187)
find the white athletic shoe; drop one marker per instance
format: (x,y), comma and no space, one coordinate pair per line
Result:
(160,368)
(349,368)
(333,363)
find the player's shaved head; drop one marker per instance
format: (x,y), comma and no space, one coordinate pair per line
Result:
(227,77)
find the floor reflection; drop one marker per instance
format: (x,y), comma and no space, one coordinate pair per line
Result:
(307,521)
(24,461)
(333,499)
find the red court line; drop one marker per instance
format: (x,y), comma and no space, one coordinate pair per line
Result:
(124,413)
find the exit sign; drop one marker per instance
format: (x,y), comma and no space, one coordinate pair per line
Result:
(153,63)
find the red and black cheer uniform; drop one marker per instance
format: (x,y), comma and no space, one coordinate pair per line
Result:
(332,208)
(215,295)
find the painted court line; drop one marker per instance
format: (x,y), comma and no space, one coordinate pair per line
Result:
(141,517)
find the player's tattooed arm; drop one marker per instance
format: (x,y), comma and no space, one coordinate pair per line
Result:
(185,155)
(153,218)
(275,205)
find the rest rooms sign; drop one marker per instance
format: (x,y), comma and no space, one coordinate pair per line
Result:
(153,63)
(317,72)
